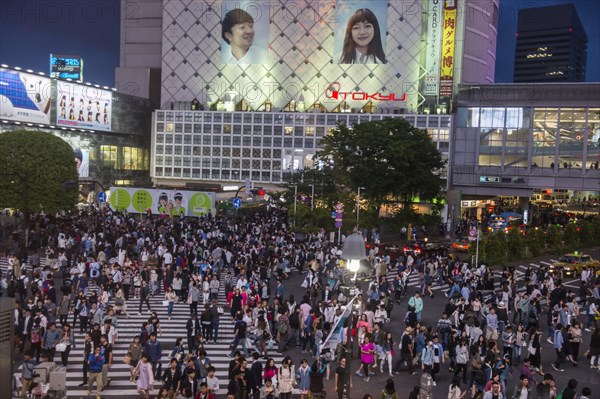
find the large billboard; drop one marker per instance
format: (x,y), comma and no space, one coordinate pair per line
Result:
(360,32)
(24,97)
(66,67)
(83,107)
(448,47)
(283,55)
(244,36)
(433,43)
(169,203)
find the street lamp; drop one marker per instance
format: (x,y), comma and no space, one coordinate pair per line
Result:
(358,206)
(354,251)
(295,200)
(312,197)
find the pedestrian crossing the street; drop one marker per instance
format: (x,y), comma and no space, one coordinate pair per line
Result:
(173,328)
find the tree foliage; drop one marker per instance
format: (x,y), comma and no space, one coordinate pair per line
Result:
(35,167)
(386,157)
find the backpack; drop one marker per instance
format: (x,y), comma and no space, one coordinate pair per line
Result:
(282,328)
(21,284)
(36,336)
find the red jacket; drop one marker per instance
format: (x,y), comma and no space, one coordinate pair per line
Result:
(209,395)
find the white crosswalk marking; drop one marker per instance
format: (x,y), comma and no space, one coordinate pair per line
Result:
(171,330)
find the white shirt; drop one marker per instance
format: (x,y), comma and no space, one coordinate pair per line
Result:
(254,55)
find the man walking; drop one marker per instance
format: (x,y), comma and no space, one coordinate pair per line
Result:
(154,350)
(239,332)
(95,364)
(144,296)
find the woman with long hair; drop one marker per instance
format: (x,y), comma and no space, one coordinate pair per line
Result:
(68,339)
(135,353)
(145,382)
(389,392)
(362,40)
(387,347)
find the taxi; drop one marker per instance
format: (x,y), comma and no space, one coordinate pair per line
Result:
(573,264)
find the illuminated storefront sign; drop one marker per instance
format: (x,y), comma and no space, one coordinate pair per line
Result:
(333,92)
(448,45)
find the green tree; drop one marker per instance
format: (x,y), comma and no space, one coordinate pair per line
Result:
(515,244)
(389,157)
(571,237)
(494,249)
(554,240)
(536,243)
(38,172)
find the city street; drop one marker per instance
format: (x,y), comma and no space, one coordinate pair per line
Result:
(217,353)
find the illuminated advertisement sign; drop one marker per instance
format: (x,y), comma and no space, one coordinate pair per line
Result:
(334,91)
(359,36)
(432,55)
(24,97)
(448,45)
(83,107)
(170,203)
(66,67)
(282,54)
(244,33)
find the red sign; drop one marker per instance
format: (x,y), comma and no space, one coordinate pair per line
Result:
(334,92)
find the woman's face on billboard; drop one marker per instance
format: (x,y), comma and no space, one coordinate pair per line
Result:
(362,33)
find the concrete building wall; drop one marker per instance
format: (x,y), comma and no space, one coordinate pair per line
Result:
(141,49)
(479,41)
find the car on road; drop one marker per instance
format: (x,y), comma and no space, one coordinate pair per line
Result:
(418,247)
(573,264)
(461,245)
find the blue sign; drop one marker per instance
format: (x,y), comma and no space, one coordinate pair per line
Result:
(101,196)
(237,203)
(66,67)
(338,225)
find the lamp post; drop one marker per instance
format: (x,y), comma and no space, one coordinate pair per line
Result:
(358,206)
(354,251)
(295,201)
(312,197)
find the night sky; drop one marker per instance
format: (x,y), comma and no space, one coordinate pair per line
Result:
(32,29)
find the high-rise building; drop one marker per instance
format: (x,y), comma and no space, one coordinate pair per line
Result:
(551,45)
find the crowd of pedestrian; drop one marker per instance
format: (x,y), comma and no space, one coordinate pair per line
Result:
(491,334)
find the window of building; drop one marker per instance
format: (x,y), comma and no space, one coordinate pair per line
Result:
(545,129)
(160,127)
(288,130)
(169,127)
(572,136)
(492,117)
(593,140)
(490,147)
(108,154)
(517,137)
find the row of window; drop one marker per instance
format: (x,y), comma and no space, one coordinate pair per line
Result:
(421,121)
(218,174)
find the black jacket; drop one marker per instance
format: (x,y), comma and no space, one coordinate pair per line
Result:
(190,326)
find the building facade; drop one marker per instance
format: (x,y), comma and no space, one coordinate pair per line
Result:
(261,147)
(520,139)
(109,131)
(551,45)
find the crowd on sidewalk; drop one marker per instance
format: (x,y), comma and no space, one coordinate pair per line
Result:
(491,337)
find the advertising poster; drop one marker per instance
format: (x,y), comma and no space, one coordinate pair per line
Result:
(448,45)
(24,97)
(434,40)
(83,107)
(359,36)
(82,161)
(244,33)
(170,203)
(66,67)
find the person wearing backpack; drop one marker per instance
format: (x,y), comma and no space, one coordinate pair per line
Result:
(239,332)
(284,330)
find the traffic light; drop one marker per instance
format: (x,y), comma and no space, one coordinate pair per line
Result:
(257,192)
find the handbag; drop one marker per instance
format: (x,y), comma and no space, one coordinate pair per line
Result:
(189,300)
(531,350)
(304,284)
(127,359)
(61,347)
(165,303)
(475,364)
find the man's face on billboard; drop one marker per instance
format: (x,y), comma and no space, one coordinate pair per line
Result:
(241,35)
